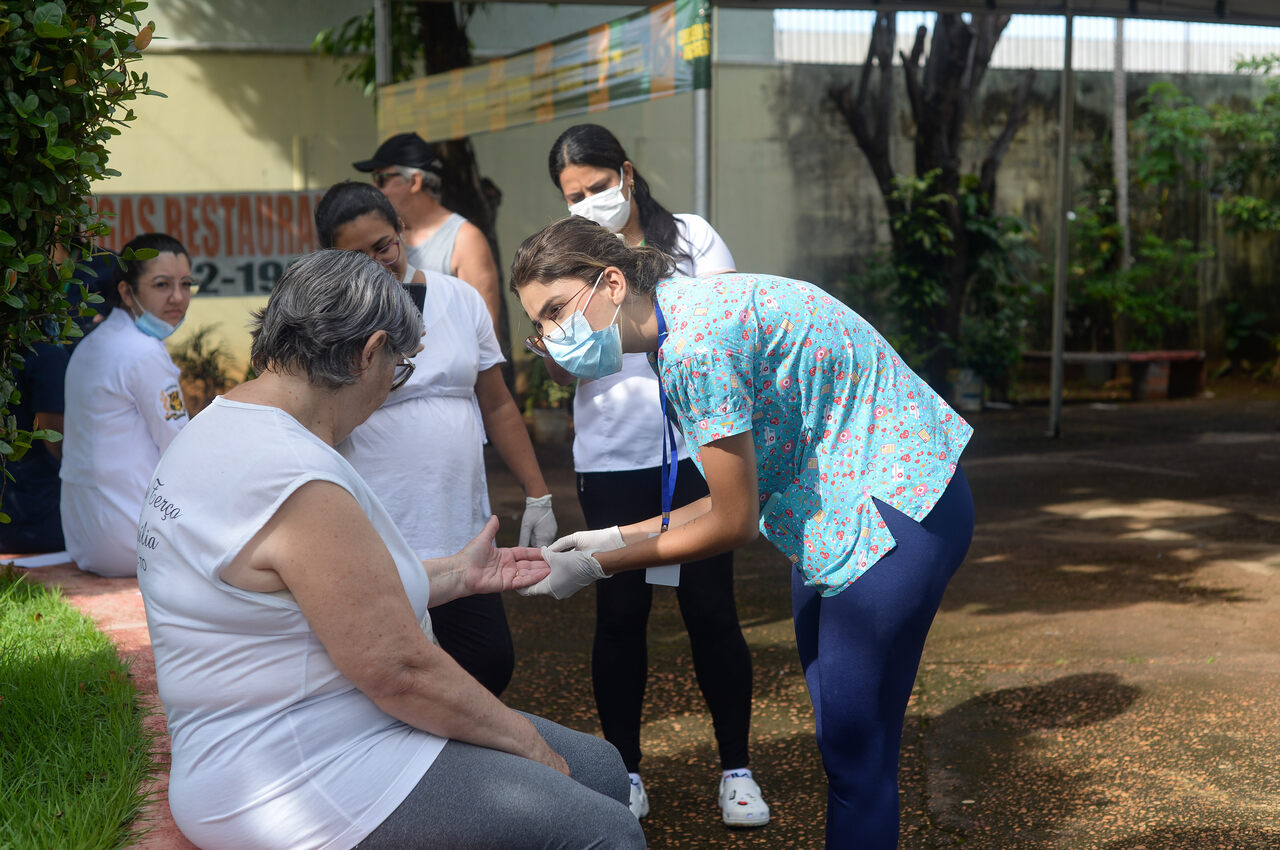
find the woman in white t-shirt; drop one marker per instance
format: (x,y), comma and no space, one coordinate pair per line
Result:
(422,452)
(123,406)
(617,453)
(307,703)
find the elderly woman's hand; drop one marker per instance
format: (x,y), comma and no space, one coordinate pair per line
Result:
(485,568)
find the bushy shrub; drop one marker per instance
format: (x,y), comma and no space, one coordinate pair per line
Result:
(66,81)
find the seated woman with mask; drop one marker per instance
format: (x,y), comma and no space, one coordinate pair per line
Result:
(123,406)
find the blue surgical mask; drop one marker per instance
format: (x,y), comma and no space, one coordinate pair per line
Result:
(155,326)
(583,352)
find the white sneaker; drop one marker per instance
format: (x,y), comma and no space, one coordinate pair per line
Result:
(639,799)
(741,803)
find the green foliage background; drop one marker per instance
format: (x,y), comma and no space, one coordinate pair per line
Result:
(67,85)
(903,293)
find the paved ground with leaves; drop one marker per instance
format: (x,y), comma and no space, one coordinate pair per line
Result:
(1102,673)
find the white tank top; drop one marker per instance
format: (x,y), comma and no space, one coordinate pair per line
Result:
(272,746)
(436,254)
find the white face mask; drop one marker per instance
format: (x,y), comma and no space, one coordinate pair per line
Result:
(610,209)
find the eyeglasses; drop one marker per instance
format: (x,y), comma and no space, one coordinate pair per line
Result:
(381,178)
(387,254)
(555,333)
(404,369)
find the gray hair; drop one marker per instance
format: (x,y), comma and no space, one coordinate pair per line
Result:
(323,311)
(430,180)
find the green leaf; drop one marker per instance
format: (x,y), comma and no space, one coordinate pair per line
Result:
(61,151)
(7,241)
(51,30)
(47,13)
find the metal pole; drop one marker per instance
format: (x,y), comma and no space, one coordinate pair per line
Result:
(1066,105)
(702,139)
(382,42)
(701,152)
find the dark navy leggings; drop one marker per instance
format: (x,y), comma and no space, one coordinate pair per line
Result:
(860,650)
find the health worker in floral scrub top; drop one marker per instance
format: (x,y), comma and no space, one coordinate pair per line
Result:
(809,429)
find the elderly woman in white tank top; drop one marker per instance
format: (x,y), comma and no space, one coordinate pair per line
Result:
(307,701)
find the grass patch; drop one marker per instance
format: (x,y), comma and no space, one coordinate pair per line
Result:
(73,753)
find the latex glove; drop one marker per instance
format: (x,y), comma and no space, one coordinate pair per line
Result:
(596,540)
(538,526)
(570,572)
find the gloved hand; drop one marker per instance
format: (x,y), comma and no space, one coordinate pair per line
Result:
(570,572)
(595,540)
(538,526)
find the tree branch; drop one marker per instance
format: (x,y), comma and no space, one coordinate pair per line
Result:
(989,29)
(871,132)
(911,71)
(1000,145)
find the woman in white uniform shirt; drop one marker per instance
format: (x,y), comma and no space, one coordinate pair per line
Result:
(422,450)
(617,452)
(123,407)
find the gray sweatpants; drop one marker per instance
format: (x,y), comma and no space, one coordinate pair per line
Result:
(475,797)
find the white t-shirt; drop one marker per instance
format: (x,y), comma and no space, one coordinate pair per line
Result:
(617,420)
(272,746)
(123,407)
(422,452)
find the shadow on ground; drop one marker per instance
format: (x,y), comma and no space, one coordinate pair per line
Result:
(1101,675)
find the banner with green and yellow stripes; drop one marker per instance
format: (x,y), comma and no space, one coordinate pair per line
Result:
(661,51)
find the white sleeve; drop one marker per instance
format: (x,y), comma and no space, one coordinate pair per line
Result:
(153,383)
(477,313)
(709,253)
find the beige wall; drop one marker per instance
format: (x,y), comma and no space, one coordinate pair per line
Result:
(753,189)
(791,193)
(234,122)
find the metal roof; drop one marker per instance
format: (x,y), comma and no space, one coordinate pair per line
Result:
(1251,12)
(1256,12)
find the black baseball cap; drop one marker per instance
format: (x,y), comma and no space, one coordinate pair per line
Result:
(406,149)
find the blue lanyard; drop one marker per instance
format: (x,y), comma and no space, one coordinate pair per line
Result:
(670,453)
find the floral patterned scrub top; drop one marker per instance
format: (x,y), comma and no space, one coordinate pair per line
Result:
(836,416)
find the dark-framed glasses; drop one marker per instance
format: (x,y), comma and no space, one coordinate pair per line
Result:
(387,254)
(404,369)
(381,178)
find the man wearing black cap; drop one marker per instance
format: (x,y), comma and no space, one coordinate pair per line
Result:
(408,172)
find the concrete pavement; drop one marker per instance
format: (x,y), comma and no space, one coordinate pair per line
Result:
(1103,672)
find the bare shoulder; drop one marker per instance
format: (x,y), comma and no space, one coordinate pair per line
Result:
(293,536)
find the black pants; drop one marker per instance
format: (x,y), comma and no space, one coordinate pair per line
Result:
(474,631)
(620,659)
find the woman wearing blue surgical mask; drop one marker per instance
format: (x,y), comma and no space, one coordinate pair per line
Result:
(810,431)
(123,406)
(618,454)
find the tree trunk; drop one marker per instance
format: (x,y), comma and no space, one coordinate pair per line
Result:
(466,191)
(939,95)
